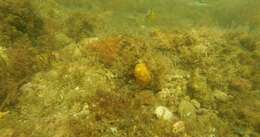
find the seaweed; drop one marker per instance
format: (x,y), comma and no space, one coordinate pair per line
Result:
(19,20)
(23,63)
(64,72)
(79,26)
(131,118)
(21,33)
(108,49)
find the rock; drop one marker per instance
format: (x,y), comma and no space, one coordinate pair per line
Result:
(241,84)
(63,39)
(53,74)
(113,130)
(3,56)
(146,97)
(6,132)
(3,114)
(163,113)
(195,103)
(76,53)
(187,110)
(178,127)
(87,41)
(221,96)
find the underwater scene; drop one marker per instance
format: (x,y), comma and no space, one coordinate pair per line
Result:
(129,68)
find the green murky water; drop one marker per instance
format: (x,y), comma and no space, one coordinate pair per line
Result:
(129,68)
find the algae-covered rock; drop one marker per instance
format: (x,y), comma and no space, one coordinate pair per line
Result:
(195,103)
(3,114)
(62,93)
(3,57)
(241,84)
(62,39)
(173,84)
(7,132)
(178,127)
(221,96)
(186,110)
(198,84)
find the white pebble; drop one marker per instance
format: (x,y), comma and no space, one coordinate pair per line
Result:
(178,127)
(163,113)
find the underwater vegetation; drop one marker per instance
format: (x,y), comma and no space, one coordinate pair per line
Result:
(79,26)
(18,22)
(78,95)
(67,69)
(21,31)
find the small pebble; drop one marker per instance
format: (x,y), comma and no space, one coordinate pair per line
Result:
(163,113)
(113,130)
(178,127)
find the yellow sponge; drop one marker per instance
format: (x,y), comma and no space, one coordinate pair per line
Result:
(142,74)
